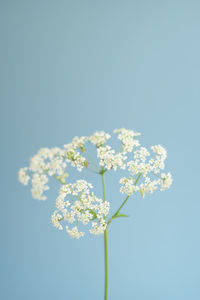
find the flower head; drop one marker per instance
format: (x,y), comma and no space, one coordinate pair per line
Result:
(23,176)
(147,168)
(48,161)
(127,138)
(109,159)
(76,204)
(99,138)
(73,155)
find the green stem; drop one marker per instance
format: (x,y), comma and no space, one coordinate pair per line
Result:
(117,212)
(91,160)
(138,178)
(103,184)
(105,243)
(92,171)
(106,263)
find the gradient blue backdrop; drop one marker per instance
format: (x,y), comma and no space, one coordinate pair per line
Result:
(72,67)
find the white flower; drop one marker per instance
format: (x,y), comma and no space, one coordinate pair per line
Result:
(60,203)
(98,229)
(142,153)
(57,163)
(74,233)
(51,161)
(166,181)
(128,186)
(75,188)
(73,156)
(103,208)
(37,163)
(39,186)
(56,218)
(23,176)
(46,162)
(76,204)
(79,142)
(142,168)
(148,186)
(99,138)
(127,137)
(160,151)
(109,159)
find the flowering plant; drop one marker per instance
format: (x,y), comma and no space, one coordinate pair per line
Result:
(76,203)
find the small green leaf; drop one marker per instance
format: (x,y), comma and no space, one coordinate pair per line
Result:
(119,216)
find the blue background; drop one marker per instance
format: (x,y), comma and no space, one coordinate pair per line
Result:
(72,67)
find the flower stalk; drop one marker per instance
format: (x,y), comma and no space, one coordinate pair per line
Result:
(105,242)
(106,263)
(76,204)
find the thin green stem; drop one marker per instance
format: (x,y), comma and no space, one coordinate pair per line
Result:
(117,212)
(122,205)
(137,178)
(157,175)
(105,242)
(92,171)
(103,184)
(106,263)
(92,160)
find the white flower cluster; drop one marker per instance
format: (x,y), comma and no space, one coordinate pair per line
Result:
(142,167)
(109,159)
(75,204)
(39,185)
(77,145)
(46,162)
(128,186)
(127,138)
(23,176)
(99,138)
(73,155)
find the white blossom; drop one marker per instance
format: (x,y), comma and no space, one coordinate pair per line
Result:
(79,142)
(50,160)
(98,229)
(73,155)
(128,186)
(141,154)
(39,185)
(47,161)
(99,138)
(137,167)
(160,151)
(76,204)
(23,176)
(145,169)
(148,186)
(56,218)
(127,138)
(74,233)
(166,181)
(109,159)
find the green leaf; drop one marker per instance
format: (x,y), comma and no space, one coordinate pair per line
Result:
(119,216)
